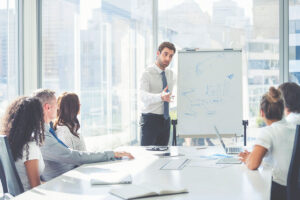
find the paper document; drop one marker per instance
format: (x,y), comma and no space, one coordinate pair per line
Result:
(110,178)
(146,190)
(205,163)
(177,164)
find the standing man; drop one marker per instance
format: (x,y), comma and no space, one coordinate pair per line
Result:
(156,87)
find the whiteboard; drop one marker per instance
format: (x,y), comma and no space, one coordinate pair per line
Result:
(209,93)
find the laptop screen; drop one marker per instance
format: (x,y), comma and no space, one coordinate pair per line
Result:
(220,138)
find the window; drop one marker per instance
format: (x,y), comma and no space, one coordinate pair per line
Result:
(9,79)
(98,49)
(252,26)
(294,41)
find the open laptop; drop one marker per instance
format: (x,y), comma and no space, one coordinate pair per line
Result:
(228,150)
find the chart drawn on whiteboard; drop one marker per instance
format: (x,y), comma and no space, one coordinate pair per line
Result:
(209,92)
(214,96)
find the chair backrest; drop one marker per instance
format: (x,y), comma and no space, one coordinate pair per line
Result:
(293,180)
(10,179)
(3,179)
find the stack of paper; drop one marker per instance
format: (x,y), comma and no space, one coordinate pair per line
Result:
(145,190)
(110,178)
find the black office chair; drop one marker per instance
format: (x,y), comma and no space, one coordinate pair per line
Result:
(293,180)
(10,179)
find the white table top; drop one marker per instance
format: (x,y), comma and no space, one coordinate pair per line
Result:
(228,183)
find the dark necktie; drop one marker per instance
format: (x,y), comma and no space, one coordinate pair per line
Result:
(166,104)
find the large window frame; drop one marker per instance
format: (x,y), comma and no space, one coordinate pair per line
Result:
(12,49)
(39,71)
(284,38)
(29,82)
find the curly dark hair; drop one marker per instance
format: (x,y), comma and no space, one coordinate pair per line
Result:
(68,107)
(23,122)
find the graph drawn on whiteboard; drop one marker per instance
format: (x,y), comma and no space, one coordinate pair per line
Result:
(209,92)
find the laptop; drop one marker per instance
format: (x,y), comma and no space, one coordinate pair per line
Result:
(228,150)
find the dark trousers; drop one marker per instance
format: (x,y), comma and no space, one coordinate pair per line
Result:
(155,130)
(278,192)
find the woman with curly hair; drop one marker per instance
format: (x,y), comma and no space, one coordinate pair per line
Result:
(66,124)
(23,124)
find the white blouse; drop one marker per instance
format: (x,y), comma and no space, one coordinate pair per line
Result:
(278,139)
(33,153)
(73,142)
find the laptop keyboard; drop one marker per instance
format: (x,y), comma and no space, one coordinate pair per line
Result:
(234,150)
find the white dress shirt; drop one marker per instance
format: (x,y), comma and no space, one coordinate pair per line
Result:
(278,139)
(293,118)
(151,86)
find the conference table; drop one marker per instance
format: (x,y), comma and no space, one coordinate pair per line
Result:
(203,181)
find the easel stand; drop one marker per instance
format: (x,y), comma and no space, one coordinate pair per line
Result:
(174,123)
(245,124)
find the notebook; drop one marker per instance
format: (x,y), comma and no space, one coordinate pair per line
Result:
(146,190)
(110,178)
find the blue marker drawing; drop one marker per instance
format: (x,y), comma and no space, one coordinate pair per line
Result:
(215,100)
(187,92)
(190,114)
(201,66)
(196,104)
(211,112)
(198,69)
(230,76)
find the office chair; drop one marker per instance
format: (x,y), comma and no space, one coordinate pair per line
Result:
(293,180)
(10,179)
(6,195)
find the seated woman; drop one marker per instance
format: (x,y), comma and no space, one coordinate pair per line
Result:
(23,124)
(66,124)
(274,141)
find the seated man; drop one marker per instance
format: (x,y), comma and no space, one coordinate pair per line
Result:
(291,96)
(57,156)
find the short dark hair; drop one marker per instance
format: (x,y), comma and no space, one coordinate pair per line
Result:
(291,96)
(272,104)
(168,45)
